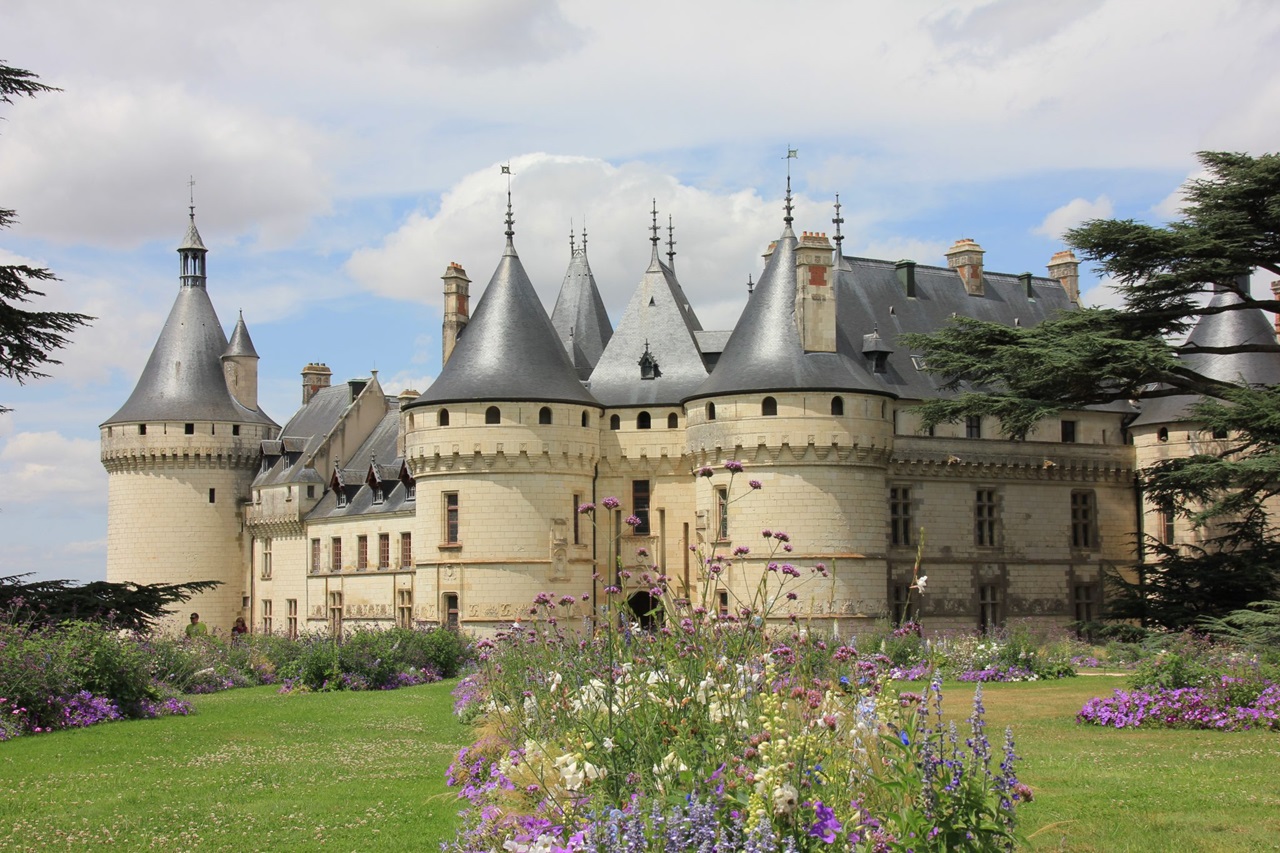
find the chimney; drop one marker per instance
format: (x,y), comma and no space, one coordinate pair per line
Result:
(815,292)
(907,277)
(314,377)
(1275,291)
(1066,268)
(1025,280)
(457,310)
(965,257)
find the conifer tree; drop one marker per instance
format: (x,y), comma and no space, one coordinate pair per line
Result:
(27,338)
(1166,274)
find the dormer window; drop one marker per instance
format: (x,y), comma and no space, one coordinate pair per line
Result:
(377,494)
(649,364)
(341,494)
(411,490)
(876,350)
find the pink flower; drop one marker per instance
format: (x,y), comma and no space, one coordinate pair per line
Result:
(733,466)
(755,484)
(611,503)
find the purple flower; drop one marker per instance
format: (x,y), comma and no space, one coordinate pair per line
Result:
(704,471)
(755,484)
(825,825)
(611,503)
(632,521)
(733,466)
(587,507)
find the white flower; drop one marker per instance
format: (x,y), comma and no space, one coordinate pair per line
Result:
(670,763)
(607,743)
(785,799)
(920,582)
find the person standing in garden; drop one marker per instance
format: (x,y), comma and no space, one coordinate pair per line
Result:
(197,628)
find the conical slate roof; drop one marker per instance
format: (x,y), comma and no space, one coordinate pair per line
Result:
(241,344)
(183,379)
(579,316)
(765,353)
(1227,329)
(658,320)
(509,350)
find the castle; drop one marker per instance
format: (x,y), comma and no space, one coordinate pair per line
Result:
(459,505)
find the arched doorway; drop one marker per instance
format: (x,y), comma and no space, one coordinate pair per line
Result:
(646,609)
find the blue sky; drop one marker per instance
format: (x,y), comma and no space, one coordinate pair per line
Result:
(344,154)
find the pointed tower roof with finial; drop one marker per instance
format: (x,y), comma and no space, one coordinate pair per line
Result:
(241,344)
(183,379)
(1231,328)
(579,317)
(509,350)
(764,353)
(658,327)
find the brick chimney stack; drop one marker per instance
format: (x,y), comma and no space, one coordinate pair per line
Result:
(314,377)
(965,257)
(457,308)
(815,292)
(1065,267)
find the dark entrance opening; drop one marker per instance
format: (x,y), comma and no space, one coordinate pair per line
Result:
(647,610)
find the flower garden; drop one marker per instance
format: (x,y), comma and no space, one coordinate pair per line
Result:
(700,731)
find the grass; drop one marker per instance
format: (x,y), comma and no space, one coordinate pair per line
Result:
(254,770)
(251,770)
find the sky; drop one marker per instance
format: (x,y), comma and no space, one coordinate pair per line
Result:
(344,154)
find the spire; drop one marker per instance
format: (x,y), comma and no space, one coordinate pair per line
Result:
(654,230)
(572,250)
(511,220)
(241,344)
(671,244)
(792,154)
(838,221)
(191,250)
(584,234)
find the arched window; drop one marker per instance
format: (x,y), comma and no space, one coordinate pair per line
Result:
(544,415)
(711,411)
(837,406)
(492,415)
(586,419)
(672,421)
(615,423)
(769,407)
(1163,434)
(442,417)
(642,420)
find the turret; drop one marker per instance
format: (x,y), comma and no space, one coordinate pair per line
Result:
(240,366)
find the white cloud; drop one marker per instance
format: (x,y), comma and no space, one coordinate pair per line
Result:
(48,469)
(1073,213)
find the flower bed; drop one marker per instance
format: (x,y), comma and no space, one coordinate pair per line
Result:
(1224,706)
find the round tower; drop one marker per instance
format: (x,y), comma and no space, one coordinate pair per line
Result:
(181,453)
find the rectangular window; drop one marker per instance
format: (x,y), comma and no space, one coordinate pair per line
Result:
(335,554)
(362,552)
(266,616)
(577,533)
(900,515)
(1084,597)
(266,560)
(292,604)
(722,603)
(315,555)
(451,610)
(213,493)
(311,492)
(406,550)
(335,614)
(451,518)
(988,607)
(722,513)
(973,426)
(1068,432)
(235,429)
(404,608)
(384,550)
(640,505)
(1084,520)
(189,429)
(142,429)
(1168,530)
(984,518)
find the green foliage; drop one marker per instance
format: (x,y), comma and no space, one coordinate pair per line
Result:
(371,658)
(128,606)
(1256,627)
(27,338)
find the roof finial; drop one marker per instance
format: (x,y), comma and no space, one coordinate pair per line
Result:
(584,233)
(572,250)
(191,189)
(838,221)
(671,244)
(511,220)
(792,154)
(654,228)
(751,285)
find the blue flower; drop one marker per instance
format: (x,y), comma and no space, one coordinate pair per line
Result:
(902,736)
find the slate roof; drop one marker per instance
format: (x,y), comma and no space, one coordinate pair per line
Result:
(1229,328)
(379,446)
(301,436)
(509,350)
(241,344)
(764,353)
(579,316)
(659,317)
(183,379)
(872,298)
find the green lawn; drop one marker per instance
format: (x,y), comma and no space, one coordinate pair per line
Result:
(254,770)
